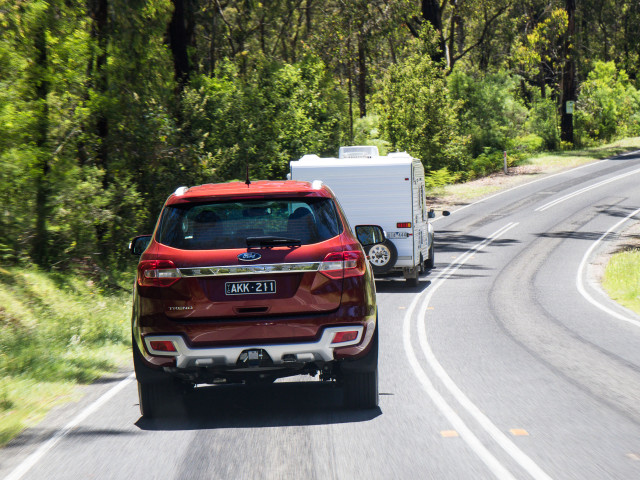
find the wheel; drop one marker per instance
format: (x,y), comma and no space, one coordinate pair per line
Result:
(159,394)
(414,277)
(155,398)
(360,387)
(430,262)
(382,256)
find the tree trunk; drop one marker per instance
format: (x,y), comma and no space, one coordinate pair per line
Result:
(350,88)
(362,76)
(432,13)
(568,76)
(178,42)
(99,11)
(41,240)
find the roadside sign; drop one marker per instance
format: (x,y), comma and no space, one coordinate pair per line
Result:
(570,106)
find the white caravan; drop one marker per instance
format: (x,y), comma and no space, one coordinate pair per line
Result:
(388,191)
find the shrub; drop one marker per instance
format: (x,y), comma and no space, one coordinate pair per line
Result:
(438,179)
(417,115)
(491,112)
(526,144)
(277,113)
(367,132)
(543,122)
(486,163)
(607,104)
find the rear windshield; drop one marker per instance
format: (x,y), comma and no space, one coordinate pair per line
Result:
(220,225)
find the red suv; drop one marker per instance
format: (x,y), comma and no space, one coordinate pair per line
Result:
(245,283)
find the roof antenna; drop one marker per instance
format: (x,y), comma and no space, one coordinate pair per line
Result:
(247,181)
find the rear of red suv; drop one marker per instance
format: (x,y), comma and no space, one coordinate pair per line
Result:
(244,283)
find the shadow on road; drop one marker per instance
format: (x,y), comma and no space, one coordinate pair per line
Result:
(245,406)
(396,283)
(610,210)
(451,242)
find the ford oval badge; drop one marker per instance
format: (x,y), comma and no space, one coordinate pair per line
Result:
(249,256)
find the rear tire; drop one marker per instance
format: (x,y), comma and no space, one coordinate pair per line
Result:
(431,261)
(360,387)
(153,399)
(413,281)
(159,394)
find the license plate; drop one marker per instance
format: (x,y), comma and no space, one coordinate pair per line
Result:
(398,234)
(244,288)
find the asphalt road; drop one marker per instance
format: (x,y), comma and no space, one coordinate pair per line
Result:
(506,362)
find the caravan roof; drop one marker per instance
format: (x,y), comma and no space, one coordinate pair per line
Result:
(397,158)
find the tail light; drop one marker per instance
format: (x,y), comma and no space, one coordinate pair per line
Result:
(157,273)
(403,225)
(343,264)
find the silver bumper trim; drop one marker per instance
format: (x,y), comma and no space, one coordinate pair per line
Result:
(322,350)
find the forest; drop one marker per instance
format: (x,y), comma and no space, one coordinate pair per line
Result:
(106,106)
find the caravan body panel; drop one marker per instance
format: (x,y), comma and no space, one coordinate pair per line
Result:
(381,191)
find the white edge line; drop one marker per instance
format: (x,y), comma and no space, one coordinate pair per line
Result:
(32,459)
(500,438)
(568,196)
(492,463)
(456,422)
(583,263)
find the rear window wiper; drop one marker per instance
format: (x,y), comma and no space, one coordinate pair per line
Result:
(271,241)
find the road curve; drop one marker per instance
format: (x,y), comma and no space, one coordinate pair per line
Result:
(505,362)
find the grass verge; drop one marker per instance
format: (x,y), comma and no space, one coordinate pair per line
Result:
(56,331)
(621,278)
(545,163)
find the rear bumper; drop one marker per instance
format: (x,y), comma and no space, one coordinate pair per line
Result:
(281,355)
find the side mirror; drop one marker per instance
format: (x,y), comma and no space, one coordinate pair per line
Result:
(446,213)
(369,234)
(139,244)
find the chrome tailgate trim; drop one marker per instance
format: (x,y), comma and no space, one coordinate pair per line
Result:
(265,269)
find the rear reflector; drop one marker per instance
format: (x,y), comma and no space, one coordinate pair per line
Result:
(403,225)
(347,336)
(162,346)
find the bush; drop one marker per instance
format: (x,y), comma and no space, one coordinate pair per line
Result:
(277,113)
(543,121)
(417,115)
(526,144)
(438,179)
(491,112)
(491,161)
(367,132)
(607,105)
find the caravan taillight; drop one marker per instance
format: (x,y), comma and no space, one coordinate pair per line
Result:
(403,225)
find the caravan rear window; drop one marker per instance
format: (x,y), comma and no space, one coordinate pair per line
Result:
(222,225)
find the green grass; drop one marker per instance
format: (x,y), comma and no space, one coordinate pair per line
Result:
(56,331)
(551,162)
(622,279)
